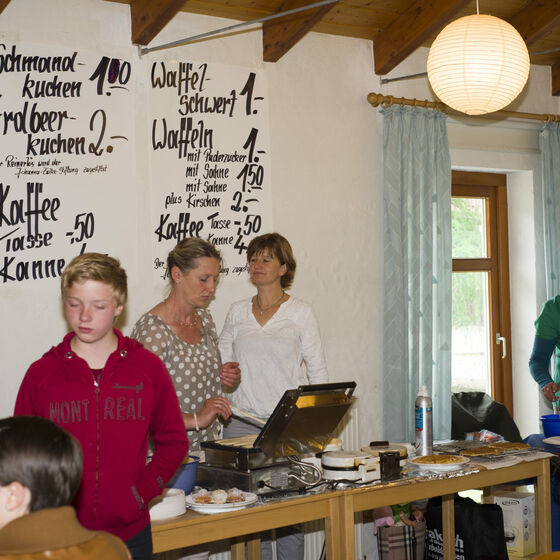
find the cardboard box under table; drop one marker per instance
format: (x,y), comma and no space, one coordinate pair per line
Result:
(519,521)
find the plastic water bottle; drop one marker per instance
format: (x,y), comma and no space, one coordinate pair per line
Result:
(423,423)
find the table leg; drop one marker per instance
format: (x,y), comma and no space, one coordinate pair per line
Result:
(448,526)
(333,533)
(346,523)
(542,510)
(254,547)
(237,548)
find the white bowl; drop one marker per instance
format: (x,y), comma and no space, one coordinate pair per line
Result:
(170,503)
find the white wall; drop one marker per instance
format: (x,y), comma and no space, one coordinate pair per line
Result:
(326,187)
(325,200)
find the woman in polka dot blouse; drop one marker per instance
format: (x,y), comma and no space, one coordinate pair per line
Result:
(182,333)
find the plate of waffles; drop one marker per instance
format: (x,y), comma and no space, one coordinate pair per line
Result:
(220,501)
(439,463)
(495,449)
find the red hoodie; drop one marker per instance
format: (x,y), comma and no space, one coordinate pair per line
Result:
(134,399)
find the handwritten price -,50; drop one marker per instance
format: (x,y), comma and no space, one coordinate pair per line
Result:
(84,226)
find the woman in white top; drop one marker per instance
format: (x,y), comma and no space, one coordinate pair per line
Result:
(275,338)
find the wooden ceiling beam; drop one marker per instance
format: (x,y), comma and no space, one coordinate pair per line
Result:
(555,75)
(536,19)
(280,35)
(3,4)
(411,29)
(149,17)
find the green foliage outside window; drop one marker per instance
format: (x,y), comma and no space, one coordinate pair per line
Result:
(468,242)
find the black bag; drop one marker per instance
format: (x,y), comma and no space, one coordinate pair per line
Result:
(401,542)
(472,412)
(479,531)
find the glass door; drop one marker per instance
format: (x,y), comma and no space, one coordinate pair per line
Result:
(480,302)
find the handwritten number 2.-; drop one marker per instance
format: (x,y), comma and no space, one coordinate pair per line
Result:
(95,148)
(237,197)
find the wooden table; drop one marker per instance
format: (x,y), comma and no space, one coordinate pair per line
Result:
(337,508)
(194,528)
(366,498)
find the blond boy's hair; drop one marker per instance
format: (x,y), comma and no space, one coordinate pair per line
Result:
(98,267)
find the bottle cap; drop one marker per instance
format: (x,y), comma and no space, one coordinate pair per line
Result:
(423,391)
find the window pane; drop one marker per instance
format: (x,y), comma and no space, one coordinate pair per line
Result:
(471,333)
(468,216)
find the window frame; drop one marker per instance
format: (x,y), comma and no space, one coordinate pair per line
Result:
(493,188)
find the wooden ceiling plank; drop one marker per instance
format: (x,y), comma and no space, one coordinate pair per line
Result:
(3,4)
(536,19)
(149,17)
(555,75)
(403,36)
(280,35)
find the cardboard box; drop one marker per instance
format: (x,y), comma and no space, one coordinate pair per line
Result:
(519,521)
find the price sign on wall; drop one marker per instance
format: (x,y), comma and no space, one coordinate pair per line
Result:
(210,153)
(65,147)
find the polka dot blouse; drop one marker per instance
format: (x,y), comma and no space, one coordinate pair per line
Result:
(194,368)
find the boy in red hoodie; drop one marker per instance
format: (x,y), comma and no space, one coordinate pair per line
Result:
(113,395)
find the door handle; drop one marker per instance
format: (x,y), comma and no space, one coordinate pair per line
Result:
(502,340)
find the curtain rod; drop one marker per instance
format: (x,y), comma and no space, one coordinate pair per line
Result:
(378,99)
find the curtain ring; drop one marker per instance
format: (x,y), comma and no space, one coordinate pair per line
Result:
(387,101)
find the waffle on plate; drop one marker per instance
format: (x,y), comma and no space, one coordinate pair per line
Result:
(438,460)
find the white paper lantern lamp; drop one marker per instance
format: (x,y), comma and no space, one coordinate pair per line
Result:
(478,64)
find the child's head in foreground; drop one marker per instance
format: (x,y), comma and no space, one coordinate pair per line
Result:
(40,466)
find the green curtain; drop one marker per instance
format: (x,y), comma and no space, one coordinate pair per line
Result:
(417,265)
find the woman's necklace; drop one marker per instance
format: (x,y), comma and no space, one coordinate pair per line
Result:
(267,307)
(192,322)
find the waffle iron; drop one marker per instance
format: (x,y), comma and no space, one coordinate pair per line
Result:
(302,423)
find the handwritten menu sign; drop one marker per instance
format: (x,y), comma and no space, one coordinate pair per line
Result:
(65,130)
(210,154)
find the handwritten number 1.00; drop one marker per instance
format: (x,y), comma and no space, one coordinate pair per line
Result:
(111,69)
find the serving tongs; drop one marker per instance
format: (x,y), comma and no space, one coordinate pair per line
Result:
(241,414)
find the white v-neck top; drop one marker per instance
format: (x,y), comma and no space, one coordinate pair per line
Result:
(284,353)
